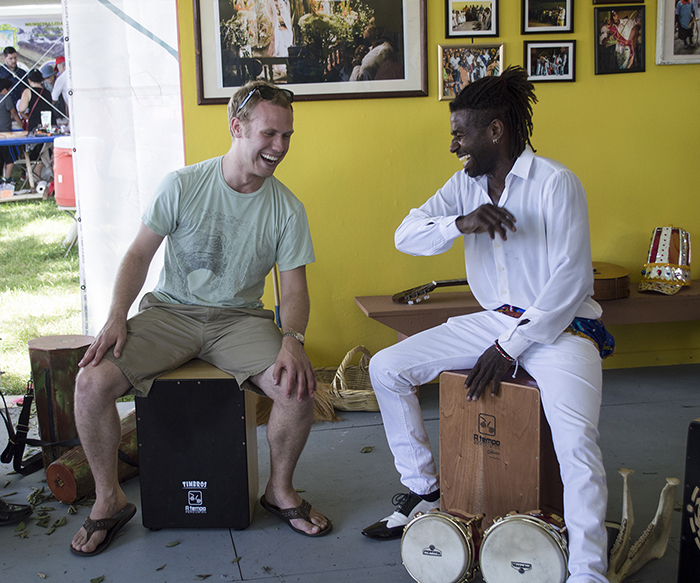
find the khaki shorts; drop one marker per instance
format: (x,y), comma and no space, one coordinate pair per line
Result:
(164,336)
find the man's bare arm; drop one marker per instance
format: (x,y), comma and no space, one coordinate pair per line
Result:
(294,313)
(130,279)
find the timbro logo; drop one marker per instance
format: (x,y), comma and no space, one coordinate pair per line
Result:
(432,551)
(521,567)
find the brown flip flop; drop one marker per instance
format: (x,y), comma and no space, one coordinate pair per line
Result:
(302,511)
(111,525)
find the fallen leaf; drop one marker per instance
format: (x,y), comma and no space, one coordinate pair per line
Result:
(41,575)
(98,579)
(23,534)
(299,490)
(8,494)
(72,510)
(50,531)
(236,560)
(161,567)
(43,522)
(7,483)
(20,526)
(202,577)
(173,544)
(366,449)
(60,522)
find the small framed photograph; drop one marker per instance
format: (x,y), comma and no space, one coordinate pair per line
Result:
(677,33)
(550,60)
(476,18)
(547,16)
(460,65)
(619,39)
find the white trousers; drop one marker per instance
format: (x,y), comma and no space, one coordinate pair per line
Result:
(569,375)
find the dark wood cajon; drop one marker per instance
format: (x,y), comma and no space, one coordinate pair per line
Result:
(198,452)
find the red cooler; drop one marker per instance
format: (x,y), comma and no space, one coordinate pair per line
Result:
(63,172)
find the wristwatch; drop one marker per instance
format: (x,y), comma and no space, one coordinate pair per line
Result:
(294,334)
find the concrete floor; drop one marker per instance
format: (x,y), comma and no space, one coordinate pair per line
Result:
(644,423)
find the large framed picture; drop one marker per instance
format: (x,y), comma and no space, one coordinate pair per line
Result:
(540,16)
(677,38)
(460,65)
(550,60)
(326,49)
(475,18)
(619,39)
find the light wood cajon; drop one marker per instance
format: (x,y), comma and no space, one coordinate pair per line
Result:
(496,454)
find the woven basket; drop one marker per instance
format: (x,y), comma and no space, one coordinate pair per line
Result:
(351,388)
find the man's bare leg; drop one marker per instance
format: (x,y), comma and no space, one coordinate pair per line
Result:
(287,431)
(97,419)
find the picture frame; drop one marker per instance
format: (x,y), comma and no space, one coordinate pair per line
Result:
(547,16)
(624,24)
(671,46)
(350,50)
(471,18)
(460,65)
(550,60)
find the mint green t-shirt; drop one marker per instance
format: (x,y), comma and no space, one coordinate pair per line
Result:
(220,243)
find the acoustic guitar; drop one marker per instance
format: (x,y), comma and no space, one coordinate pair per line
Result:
(610,281)
(420,293)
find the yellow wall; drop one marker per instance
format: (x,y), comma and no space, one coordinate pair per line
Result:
(360,165)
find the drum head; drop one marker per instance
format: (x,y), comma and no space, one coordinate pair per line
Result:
(435,550)
(522,550)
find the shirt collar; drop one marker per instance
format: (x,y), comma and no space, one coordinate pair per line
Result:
(522,165)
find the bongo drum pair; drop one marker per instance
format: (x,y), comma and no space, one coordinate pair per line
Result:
(444,547)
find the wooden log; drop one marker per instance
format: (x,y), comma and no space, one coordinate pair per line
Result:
(69,478)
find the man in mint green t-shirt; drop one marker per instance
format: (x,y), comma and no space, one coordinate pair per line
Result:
(225,222)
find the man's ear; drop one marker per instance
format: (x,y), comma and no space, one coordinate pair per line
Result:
(236,128)
(497,129)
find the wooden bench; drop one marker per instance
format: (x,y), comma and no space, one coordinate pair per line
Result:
(638,308)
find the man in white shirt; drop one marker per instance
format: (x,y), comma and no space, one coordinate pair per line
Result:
(524,222)
(60,86)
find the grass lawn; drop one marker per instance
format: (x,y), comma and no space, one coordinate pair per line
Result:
(39,287)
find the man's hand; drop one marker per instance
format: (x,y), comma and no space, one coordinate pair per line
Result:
(113,334)
(300,375)
(489,369)
(488,218)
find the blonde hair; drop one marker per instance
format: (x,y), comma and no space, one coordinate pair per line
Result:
(279,99)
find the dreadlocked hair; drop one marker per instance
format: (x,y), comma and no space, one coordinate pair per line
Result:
(508,97)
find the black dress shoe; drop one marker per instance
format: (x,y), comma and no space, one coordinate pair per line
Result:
(392,527)
(13,513)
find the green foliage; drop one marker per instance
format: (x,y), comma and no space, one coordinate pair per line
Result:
(39,287)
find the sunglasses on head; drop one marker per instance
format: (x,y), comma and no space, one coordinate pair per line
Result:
(266,93)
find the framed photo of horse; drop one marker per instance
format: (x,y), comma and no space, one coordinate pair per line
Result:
(620,43)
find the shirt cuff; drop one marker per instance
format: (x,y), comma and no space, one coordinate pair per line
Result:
(448,226)
(514,344)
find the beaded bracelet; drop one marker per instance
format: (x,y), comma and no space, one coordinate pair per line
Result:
(503,353)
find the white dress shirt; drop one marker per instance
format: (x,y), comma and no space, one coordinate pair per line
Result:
(544,267)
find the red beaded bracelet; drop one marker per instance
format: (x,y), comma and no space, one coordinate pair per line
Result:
(502,352)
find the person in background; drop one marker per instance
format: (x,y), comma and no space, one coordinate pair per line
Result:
(11,69)
(49,74)
(35,99)
(59,93)
(8,113)
(523,220)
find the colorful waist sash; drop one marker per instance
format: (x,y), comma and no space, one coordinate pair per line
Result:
(584,327)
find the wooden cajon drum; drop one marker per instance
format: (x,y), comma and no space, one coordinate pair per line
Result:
(198,450)
(496,454)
